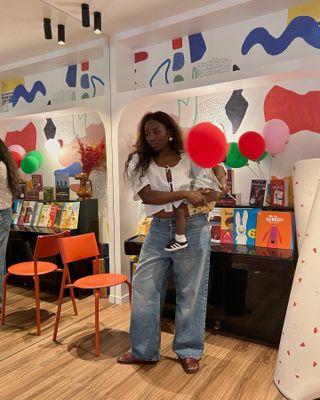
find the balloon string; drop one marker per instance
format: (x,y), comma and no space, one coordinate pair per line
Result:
(230,195)
(270,168)
(260,169)
(257,176)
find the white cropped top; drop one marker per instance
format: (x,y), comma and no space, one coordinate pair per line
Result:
(5,193)
(182,175)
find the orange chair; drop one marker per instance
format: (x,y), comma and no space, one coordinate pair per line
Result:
(46,246)
(80,247)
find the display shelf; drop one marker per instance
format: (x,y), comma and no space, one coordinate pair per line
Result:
(248,289)
(22,240)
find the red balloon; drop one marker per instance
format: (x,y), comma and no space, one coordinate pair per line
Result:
(251,145)
(206,145)
(16,157)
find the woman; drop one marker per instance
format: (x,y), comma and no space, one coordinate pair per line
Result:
(160,175)
(8,182)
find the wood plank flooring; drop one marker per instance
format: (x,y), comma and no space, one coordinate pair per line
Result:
(33,367)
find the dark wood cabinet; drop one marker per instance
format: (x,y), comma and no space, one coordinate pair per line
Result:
(22,240)
(248,291)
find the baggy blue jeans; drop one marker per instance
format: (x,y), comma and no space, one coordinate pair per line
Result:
(5,221)
(190,267)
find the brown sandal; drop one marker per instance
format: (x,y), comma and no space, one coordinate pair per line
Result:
(129,358)
(190,365)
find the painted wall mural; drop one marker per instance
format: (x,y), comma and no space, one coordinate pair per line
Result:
(282,35)
(56,141)
(299,111)
(74,82)
(303,27)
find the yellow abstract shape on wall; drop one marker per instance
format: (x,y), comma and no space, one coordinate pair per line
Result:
(10,85)
(311,9)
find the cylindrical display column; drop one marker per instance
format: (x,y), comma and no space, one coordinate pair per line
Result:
(305,176)
(297,373)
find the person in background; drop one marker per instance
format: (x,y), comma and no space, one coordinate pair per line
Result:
(158,165)
(8,186)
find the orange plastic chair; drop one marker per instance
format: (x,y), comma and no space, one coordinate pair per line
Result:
(81,247)
(46,246)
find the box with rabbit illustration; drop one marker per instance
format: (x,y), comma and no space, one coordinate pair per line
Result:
(245,222)
(275,229)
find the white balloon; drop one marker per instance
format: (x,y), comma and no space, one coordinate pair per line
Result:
(18,149)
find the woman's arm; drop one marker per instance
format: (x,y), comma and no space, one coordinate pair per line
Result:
(156,197)
(221,175)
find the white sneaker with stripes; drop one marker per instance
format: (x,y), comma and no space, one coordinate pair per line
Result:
(174,245)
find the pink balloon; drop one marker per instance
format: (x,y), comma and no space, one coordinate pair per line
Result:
(17,149)
(276,134)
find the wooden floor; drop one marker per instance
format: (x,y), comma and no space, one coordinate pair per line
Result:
(33,367)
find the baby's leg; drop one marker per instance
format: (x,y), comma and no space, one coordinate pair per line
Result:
(181,222)
(180,240)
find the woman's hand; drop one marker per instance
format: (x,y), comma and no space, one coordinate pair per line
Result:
(196,197)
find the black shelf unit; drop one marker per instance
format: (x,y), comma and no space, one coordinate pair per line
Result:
(22,240)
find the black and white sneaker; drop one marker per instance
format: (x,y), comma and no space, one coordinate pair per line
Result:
(174,245)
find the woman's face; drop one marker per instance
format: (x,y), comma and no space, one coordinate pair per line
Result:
(157,135)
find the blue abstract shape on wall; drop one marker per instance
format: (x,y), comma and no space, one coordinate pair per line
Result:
(304,27)
(21,91)
(197,47)
(93,78)
(72,169)
(168,62)
(71,77)
(85,84)
(178,61)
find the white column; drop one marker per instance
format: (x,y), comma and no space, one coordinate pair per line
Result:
(297,373)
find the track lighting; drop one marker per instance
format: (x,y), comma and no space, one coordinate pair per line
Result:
(85,14)
(61,35)
(47,28)
(97,22)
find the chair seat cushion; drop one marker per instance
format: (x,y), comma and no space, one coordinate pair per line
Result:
(27,268)
(100,281)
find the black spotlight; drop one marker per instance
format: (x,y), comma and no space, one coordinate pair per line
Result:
(47,28)
(61,35)
(85,14)
(97,22)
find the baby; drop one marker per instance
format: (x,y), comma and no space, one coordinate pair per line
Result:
(207,179)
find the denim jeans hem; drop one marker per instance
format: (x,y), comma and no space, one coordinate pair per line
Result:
(189,353)
(155,358)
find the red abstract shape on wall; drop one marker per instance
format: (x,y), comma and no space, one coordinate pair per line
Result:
(299,111)
(85,66)
(177,43)
(26,138)
(140,56)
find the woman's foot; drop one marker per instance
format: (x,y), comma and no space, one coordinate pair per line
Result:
(129,358)
(174,245)
(190,365)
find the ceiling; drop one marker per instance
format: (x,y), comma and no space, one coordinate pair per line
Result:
(22,27)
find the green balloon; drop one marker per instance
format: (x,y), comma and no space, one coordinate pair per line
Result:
(264,155)
(234,158)
(37,155)
(29,164)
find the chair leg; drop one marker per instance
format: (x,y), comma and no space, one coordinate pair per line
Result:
(130,290)
(72,292)
(62,287)
(4,292)
(37,292)
(97,295)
